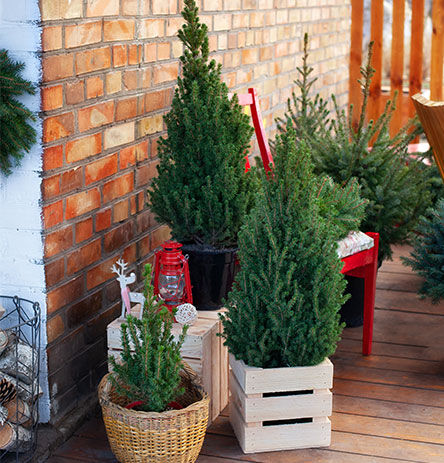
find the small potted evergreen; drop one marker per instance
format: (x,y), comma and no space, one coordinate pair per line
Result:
(153,407)
(282,321)
(202,191)
(427,257)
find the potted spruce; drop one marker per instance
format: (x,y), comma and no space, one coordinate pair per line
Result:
(153,407)
(202,191)
(282,321)
(394,184)
(427,257)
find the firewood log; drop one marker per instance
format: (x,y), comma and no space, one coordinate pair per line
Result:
(17,361)
(4,339)
(15,438)
(19,412)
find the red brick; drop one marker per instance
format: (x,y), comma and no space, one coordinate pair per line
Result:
(119,29)
(94,87)
(126,109)
(130,79)
(113,82)
(118,187)
(75,92)
(144,245)
(52,97)
(93,60)
(54,272)
(133,204)
(154,147)
(145,173)
(53,214)
(81,311)
(100,273)
(159,236)
(120,211)
(165,73)
(96,116)
(57,67)
(84,257)
(102,8)
(57,127)
(95,171)
(127,157)
(82,148)
(50,187)
(84,230)
(118,237)
(71,180)
(78,35)
(141,151)
(103,220)
(53,157)
(51,38)
(134,52)
(163,50)
(54,328)
(65,294)
(144,221)
(119,55)
(150,52)
(129,7)
(81,203)
(156,100)
(58,241)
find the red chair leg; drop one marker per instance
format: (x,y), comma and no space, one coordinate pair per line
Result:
(369,300)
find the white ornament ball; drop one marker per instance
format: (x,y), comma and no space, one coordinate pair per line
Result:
(186,314)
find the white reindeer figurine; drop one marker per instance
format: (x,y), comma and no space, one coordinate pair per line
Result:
(123,280)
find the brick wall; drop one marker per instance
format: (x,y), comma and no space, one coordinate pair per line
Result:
(109,69)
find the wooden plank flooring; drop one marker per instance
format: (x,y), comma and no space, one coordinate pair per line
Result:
(388,407)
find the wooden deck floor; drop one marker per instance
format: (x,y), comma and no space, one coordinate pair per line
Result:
(388,407)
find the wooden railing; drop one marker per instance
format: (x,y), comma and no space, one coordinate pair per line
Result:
(398,83)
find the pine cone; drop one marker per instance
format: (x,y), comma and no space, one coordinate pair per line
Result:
(8,391)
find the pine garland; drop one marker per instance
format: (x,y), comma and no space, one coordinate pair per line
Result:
(16,134)
(151,360)
(427,257)
(395,185)
(201,191)
(283,309)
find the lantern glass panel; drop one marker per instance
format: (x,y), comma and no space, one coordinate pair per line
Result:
(171,288)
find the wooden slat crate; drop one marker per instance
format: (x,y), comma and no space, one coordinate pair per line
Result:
(202,350)
(281,408)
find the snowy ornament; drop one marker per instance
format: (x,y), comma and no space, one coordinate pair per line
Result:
(186,314)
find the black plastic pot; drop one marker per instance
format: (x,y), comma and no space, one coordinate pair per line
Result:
(352,312)
(212,273)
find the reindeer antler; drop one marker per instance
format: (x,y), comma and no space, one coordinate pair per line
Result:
(122,264)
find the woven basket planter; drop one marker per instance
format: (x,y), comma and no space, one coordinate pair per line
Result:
(174,436)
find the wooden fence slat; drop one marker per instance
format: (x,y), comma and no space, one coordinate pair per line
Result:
(416,51)
(397,62)
(377,20)
(436,79)
(355,95)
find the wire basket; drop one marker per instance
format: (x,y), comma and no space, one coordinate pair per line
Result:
(19,378)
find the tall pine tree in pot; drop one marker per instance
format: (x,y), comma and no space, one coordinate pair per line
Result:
(282,321)
(202,191)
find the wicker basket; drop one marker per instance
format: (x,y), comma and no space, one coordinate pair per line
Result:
(174,436)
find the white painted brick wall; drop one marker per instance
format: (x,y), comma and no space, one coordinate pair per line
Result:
(21,245)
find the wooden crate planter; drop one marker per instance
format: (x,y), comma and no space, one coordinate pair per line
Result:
(202,350)
(281,408)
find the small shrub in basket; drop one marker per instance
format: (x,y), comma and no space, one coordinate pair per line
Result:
(153,406)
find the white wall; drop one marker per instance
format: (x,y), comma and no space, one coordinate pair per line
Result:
(21,244)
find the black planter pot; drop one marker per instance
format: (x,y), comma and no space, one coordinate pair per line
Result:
(352,312)
(212,273)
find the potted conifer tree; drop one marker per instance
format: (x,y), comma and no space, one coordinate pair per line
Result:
(202,191)
(152,403)
(282,321)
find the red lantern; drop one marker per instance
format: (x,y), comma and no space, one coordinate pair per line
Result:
(172,276)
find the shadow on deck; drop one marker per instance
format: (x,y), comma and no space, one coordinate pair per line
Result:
(388,407)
